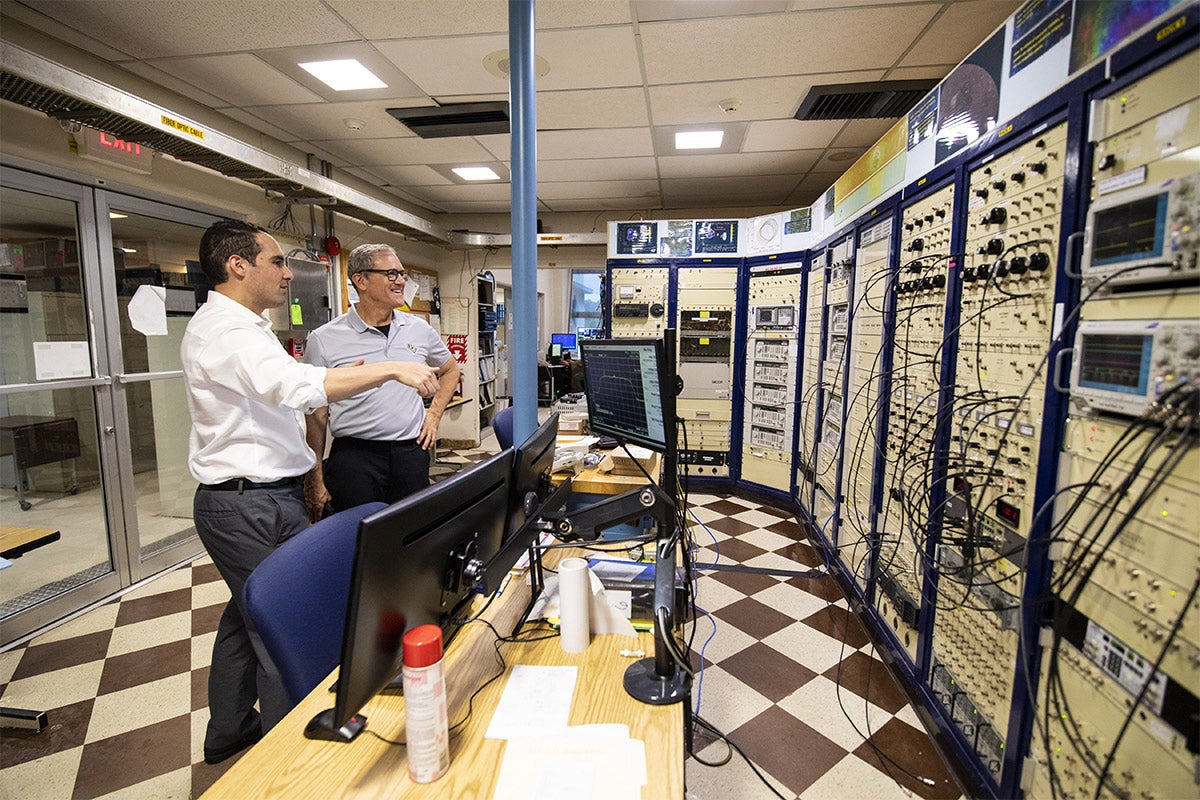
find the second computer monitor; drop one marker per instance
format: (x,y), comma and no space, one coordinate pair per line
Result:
(625,380)
(568,341)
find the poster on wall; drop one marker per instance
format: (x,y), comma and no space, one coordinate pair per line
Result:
(716,237)
(922,119)
(1100,25)
(969,98)
(1037,26)
(637,238)
(677,243)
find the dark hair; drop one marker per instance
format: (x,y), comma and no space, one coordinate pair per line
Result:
(224,239)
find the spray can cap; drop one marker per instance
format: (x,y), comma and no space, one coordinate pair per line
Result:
(422,646)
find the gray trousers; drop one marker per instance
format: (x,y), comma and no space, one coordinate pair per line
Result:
(240,529)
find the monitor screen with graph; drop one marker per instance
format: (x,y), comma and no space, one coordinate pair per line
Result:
(625,379)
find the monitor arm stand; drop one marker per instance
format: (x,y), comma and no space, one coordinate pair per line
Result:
(656,680)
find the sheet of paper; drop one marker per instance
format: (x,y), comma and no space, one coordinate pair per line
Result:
(577,763)
(57,360)
(148,310)
(535,700)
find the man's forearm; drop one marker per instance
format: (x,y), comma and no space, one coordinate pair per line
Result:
(447,383)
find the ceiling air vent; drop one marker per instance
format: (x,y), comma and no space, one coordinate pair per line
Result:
(463,119)
(880,100)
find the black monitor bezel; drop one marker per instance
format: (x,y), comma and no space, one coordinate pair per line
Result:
(409,545)
(666,394)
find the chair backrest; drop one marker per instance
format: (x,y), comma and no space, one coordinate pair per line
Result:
(502,424)
(297,596)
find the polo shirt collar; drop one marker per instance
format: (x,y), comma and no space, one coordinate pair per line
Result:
(357,322)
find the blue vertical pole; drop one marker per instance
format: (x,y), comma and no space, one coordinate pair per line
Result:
(523,111)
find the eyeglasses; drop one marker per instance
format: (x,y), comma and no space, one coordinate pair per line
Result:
(390,274)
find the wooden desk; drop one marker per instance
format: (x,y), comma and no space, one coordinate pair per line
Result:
(593,481)
(16,542)
(286,765)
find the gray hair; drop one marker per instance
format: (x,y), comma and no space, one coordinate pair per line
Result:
(363,257)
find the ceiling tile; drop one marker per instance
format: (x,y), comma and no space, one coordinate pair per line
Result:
(244,79)
(387,19)
(167,80)
(410,175)
(654,10)
(448,66)
(643,188)
(479,191)
(961,28)
(186,27)
(326,120)
(759,98)
(413,150)
(558,145)
(812,187)
(476,206)
(786,134)
(780,44)
(758,190)
(597,169)
(258,123)
(615,203)
(792,162)
(623,108)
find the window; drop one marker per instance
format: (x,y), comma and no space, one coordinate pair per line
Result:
(585,312)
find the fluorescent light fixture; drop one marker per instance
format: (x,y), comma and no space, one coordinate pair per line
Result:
(343,75)
(117,215)
(128,250)
(476,173)
(698,140)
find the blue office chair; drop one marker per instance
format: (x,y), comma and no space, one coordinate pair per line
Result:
(502,424)
(296,598)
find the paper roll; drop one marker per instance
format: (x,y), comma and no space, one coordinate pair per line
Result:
(574,593)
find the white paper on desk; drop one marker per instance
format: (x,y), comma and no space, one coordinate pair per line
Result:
(608,612)
(535,700)
(148,310)
(599,762)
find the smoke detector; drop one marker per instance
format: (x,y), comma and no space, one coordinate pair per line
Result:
(354,124)
(730,105)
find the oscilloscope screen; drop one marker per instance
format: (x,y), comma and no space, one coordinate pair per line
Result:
(625,389)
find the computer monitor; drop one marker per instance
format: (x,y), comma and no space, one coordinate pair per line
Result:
(532,493)
(416,562)
(567,340)
(625,394)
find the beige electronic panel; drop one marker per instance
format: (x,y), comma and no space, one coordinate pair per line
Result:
(1126,554)
(638,301)
(771,374)
(810,368)
(830,445)
(1014,208)
(864,373)
(921,281)
(706,317)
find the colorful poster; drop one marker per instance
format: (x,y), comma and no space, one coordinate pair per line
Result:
(637,238)
(922,118)
(1100,25)
(969,98)
(716,237)
(677,243)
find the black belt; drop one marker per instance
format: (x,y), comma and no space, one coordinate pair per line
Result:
(373,444)
(242,484)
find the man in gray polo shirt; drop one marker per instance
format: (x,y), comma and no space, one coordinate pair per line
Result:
(381,439)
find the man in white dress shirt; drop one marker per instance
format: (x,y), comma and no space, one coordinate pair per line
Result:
(247,449)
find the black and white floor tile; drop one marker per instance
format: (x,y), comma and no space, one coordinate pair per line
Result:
(789,675)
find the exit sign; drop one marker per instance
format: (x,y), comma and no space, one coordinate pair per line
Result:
(100,146)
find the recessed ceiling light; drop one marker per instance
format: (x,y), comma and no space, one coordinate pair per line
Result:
(698,140)
(476,173)
(343,75)
(117,215)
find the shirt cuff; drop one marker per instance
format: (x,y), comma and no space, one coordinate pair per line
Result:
(318,398)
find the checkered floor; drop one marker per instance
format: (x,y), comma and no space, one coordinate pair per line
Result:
(789,675)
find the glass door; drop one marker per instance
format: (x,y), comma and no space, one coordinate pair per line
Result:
(94,490)
(152,285)
(55,414)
